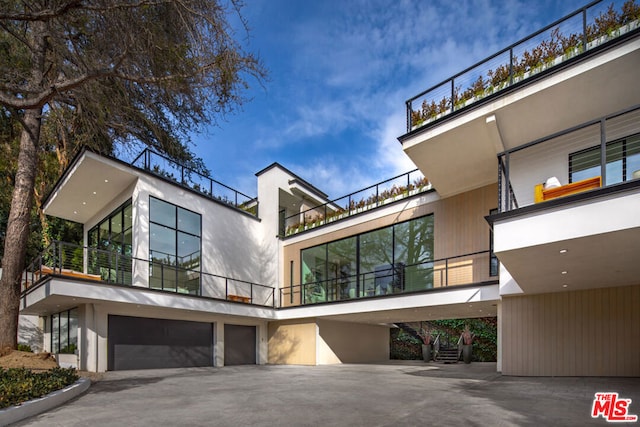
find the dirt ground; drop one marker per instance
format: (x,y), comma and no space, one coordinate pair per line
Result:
(23,359)
(36,362)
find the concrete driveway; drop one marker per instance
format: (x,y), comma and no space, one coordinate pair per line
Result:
(395,394)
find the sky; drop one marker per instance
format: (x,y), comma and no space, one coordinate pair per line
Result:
(340,72)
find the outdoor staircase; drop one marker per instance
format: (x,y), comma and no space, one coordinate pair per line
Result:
(447,355)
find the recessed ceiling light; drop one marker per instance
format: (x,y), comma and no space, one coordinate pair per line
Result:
(563,251)
(106,180)
(84,203)
(565,285)
(95,192)
(75,212)
(564,272)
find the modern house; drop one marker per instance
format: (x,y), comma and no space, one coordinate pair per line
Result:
(530,213)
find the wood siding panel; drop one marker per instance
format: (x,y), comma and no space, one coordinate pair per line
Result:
(579,333)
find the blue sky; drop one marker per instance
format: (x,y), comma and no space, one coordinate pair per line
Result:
(340,73)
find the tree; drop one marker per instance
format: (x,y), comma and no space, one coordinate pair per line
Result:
(110,71)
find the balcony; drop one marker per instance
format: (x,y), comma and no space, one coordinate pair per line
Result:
(478,268)
(364,200)
(579,67)
(93,180)
(102,267)
(567,38)
(569,207)
(606,150)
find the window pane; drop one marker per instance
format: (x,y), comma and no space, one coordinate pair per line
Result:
(128,216)
(341,264)
(116,225)
(156,271)
(64,332)
(104,235)
(93,238)
(585,164)
(314,270)
(614,162)
(188,221)
(188,251)
(73,330)
(162,243)
(55,333)
(633,156)
(127,243)
(376,262)
(162,212)
(413,251)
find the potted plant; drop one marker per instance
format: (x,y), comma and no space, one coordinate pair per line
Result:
(427,348)
(467,343)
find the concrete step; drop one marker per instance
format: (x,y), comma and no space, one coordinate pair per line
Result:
(448,355)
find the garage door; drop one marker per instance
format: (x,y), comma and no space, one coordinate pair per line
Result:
(239,345)
(142,343)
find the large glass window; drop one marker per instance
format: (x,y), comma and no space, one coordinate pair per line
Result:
(413,248)
(388,260)
(174,243)
(376,262)
(64,331)
(623,159)
(110,246)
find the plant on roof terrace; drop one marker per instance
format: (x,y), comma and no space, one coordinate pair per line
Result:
(532,61)
(358,206)
(630,12)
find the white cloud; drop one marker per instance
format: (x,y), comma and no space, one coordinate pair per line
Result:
(349,67)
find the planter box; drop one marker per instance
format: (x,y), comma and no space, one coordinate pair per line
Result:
(67,360)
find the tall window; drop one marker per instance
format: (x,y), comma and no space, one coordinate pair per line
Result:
(622,159)
(64,331)
(111,241)
(174,247)
(389,260)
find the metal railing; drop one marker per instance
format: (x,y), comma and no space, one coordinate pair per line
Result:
(105,266)
(163,166)
(558,42)
(396,188)
(468,269)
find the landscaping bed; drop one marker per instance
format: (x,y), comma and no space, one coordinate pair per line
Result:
(25,376)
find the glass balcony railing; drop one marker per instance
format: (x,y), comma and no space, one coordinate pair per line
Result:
(380,194)
(582,31)
(477,268)
(166,168)
(99,266)
(601,153)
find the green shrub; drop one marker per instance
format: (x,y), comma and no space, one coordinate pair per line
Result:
(17,385)
(485,343)
(24,347)
(404,346)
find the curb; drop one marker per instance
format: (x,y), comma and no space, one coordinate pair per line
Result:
(34,407)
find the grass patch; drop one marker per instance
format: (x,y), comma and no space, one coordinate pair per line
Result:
(18,385)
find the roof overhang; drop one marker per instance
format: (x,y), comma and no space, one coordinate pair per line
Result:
(87,186)
(458,152)
(584,243)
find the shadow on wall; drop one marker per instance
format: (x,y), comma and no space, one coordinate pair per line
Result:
(353,342)
(29,332)
(285,349)
(235,248)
